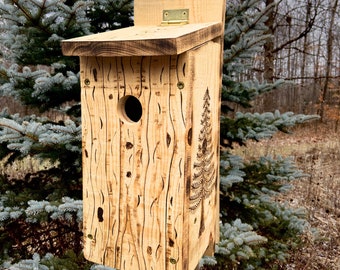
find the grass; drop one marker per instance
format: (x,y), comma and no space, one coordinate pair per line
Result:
(316,150)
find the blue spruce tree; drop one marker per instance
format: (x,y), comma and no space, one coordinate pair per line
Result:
(41,212)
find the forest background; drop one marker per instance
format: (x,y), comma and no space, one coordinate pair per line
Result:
(302,47)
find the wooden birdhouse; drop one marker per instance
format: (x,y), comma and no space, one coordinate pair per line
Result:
(150,104)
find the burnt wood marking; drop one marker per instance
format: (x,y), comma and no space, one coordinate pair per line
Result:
(203,180)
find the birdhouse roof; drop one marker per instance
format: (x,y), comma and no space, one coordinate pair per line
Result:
(143,40)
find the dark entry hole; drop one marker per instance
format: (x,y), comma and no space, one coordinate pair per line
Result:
(130,108)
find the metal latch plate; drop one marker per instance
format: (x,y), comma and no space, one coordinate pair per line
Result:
(175,16)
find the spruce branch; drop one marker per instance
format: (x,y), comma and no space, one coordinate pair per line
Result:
(13,125)
(36,22)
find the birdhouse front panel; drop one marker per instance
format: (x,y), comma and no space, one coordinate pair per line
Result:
(151,158)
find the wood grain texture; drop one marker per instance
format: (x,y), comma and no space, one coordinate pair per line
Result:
(204,154)
(133,171)
(139,177)
(143,40)
(149,12)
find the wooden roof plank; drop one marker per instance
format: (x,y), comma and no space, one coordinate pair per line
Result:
(143,40)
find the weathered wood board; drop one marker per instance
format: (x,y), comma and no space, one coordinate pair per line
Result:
(143,40)
(149,12)
(151,185)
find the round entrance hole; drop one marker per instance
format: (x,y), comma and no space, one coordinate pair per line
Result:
(130,109)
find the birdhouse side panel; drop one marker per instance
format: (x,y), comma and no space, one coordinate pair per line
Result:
(203,193)
(101,174)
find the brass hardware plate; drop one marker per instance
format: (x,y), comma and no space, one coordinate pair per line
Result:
(175,16)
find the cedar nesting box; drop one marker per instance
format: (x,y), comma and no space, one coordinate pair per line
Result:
(150,104)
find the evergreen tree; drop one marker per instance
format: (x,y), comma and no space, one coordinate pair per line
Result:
(45,206)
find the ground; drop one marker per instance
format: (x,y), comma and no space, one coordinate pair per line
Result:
(316,149)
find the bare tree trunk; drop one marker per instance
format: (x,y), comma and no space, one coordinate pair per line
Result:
(329,58)
(289,71)
(269,45)
(305,42)
(317,80)
(338,92)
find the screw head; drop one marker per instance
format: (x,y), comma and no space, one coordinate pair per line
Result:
(180,85)
(173,260)
(87,82)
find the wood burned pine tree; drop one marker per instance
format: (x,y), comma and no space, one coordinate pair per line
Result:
(203,179)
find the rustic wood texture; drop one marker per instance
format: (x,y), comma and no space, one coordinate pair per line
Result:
(139,177)
(149,12)
(204,153)
(143,40)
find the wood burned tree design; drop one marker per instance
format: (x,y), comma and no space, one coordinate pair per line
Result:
(203,180)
